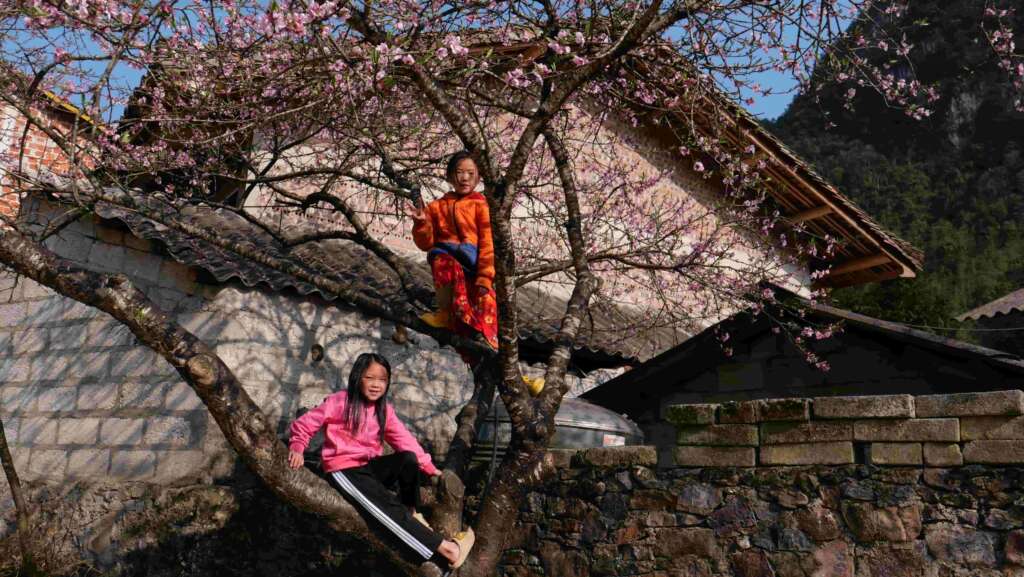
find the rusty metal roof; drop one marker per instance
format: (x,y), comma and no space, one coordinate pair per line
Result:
(1004,305)
(610,334)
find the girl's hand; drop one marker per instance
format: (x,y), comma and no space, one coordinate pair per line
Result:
(295,460)
(418,214)
(436,473)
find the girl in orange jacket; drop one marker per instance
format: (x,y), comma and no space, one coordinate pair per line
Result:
(455,230)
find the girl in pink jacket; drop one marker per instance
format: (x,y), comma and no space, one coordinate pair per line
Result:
(356,423)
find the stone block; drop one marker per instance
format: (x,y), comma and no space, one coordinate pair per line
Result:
(83,431)
(30,340)
(719,435)
(140,244)
(117,431)
(735,412)
(70,364)
(895,454)
(181,397)
(88,463)
(132,465)
(871,406)
(994,452)
(991,428)
(47,464)
(617,457)
(141,395)
(72,246)
(1015,548)
(17,399)
(693,456)
(94,397)
(69,336)
(11,426)
(934,430)
(174,466)
(13,314)
(107,334)
(784,410)
(174,431)
(14,370)
(829,453)
(810,432)
(943,455)
(56,399)
(698,414)
(106,257)
(141,266)
(138,362)
(870,523)
(996,403)
(963,546)
(177,276)
(673,542)
(31,290)
(37,431)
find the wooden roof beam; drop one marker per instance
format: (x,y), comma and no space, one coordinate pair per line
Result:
(810,214)
(859,264)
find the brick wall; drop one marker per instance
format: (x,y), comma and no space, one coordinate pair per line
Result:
(29,155)
(926,430)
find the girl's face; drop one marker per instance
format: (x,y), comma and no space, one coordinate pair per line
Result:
(374,382)
(465,178)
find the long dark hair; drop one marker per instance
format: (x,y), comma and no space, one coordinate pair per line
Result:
(355,403)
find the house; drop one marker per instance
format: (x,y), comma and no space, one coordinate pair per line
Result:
(81,399)
(1001,322)
(26,152)
(867,357)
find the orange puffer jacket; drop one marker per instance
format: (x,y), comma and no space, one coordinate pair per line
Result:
(460,219)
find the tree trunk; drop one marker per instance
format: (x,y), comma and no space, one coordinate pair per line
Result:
(243,423)
(24,520)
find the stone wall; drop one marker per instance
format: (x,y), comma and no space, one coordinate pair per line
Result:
(610,512)
(925,430)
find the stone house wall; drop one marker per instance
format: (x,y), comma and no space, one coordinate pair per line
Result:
(610,512)
(928,430)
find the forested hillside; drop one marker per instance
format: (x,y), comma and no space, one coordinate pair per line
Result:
(952,183)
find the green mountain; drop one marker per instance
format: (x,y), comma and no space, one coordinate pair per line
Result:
(952,183)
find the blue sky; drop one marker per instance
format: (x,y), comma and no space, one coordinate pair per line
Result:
(770,107)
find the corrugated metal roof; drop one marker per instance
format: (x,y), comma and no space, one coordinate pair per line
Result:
(1001,306)
(612,333)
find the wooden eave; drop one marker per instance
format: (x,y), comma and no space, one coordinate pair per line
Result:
(865,252)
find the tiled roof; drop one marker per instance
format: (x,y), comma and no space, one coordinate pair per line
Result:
(610,333)
(1001,306)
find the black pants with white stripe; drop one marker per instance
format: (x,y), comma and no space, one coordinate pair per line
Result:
(368,487)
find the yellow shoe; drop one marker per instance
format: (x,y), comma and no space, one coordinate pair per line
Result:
(419,517)
(534,384)
(437,319)
(465,541)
